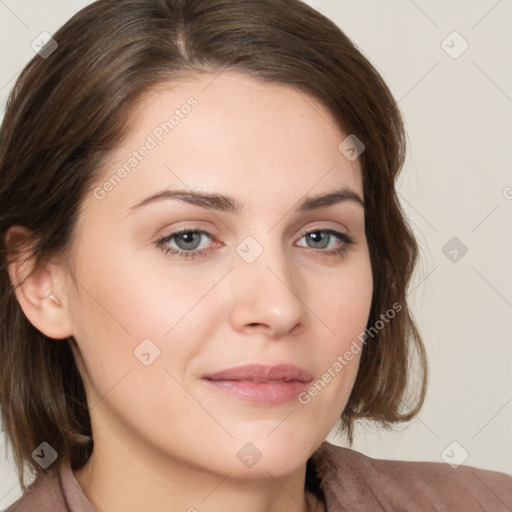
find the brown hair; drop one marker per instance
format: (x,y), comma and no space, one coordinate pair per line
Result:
(67,111)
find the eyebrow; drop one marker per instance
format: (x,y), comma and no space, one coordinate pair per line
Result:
(228,204)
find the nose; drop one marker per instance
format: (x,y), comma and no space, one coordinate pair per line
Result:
(268,296)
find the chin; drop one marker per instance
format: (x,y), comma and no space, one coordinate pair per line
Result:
(258,454)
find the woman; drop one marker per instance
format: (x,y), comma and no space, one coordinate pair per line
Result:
(205,267)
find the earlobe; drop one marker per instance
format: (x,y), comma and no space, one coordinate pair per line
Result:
(39,291)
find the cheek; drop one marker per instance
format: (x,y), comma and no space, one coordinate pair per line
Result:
(343,306)
(345,309)
(345,301)
(131,317)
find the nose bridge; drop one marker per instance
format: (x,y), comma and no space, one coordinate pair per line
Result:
(267,288)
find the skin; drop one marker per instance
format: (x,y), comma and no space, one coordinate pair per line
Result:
(163,440)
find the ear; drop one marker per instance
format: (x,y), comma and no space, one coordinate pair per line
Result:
(40,290)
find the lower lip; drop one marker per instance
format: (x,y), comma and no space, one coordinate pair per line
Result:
(263,393)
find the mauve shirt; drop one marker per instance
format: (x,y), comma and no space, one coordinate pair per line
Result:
(350,481)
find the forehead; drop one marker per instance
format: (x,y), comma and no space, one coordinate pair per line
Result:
(233,134)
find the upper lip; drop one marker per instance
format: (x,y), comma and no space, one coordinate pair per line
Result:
(262,373)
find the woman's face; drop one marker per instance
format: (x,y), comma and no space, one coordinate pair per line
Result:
(155,314)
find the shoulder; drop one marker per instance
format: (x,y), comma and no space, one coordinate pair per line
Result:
(348,476)
(43,495)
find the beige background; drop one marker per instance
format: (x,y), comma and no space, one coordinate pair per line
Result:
(457,182)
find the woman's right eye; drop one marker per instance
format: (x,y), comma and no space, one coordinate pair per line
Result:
(187,243)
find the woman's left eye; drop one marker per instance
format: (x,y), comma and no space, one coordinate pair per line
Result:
(322,238)
(187,243)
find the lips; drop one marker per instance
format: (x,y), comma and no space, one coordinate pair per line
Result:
(260,384)
(263,373)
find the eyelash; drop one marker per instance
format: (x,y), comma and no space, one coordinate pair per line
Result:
(346,239)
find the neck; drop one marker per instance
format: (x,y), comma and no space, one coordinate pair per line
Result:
(133,481)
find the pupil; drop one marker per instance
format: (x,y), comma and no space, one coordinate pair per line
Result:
(188,239)
(317,237)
